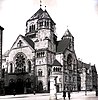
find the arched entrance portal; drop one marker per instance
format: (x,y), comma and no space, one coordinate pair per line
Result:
(48,86)
(28,85)
(19,86)
(40,86)
(11,86)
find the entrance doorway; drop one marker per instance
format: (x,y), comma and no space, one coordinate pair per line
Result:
(28,85)
(19,86)
(11,86)
(40,86)
(48,86)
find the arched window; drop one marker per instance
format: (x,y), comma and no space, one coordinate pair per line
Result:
(40,54)
(29,66)
(41,24)
(40,72)
(49,72)
(60,69)
(54,69)
(33,27)
(19,44)
(69,61)
(11,67)
(30,29)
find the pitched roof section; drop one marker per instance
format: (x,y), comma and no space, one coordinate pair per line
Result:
(29,41)
(67,34)
(45,15)
(62,45)
(6,54)
(37,14)
(56,63)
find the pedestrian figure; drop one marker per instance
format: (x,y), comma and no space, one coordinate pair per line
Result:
(69,95)
(34,92)
(14,92)
(64,94)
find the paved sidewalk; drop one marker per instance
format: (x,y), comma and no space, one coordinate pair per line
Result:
(45,96)
(81,96)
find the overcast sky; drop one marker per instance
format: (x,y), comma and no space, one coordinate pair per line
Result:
(81,17)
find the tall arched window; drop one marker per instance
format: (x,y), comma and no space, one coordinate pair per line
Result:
(39,72)
(11,67)
(69,61)
(33,27)
(20,63)
(54,69)
(29,66)
(30,28)
(49,72)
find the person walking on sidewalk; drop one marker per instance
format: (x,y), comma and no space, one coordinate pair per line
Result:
(14,92)
(64,94)
(69,95)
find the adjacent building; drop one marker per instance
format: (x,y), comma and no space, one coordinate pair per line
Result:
(1,40)
(1,36)
(87,76)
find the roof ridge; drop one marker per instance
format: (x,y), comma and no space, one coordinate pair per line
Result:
(29,41)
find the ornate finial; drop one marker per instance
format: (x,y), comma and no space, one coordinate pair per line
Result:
(67,26)
(40,3)
(45,7)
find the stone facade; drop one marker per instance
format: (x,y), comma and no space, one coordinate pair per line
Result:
(87,76)
(28,63)
(37,55)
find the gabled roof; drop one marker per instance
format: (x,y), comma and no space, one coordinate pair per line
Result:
(62,45)
(26,39)
(37,14)
(29,41)
(44,15)
(56,63)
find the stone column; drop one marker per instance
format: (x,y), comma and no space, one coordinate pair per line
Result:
(1,33)
(53,90)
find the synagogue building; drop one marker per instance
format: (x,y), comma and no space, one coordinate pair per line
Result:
(38,54)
